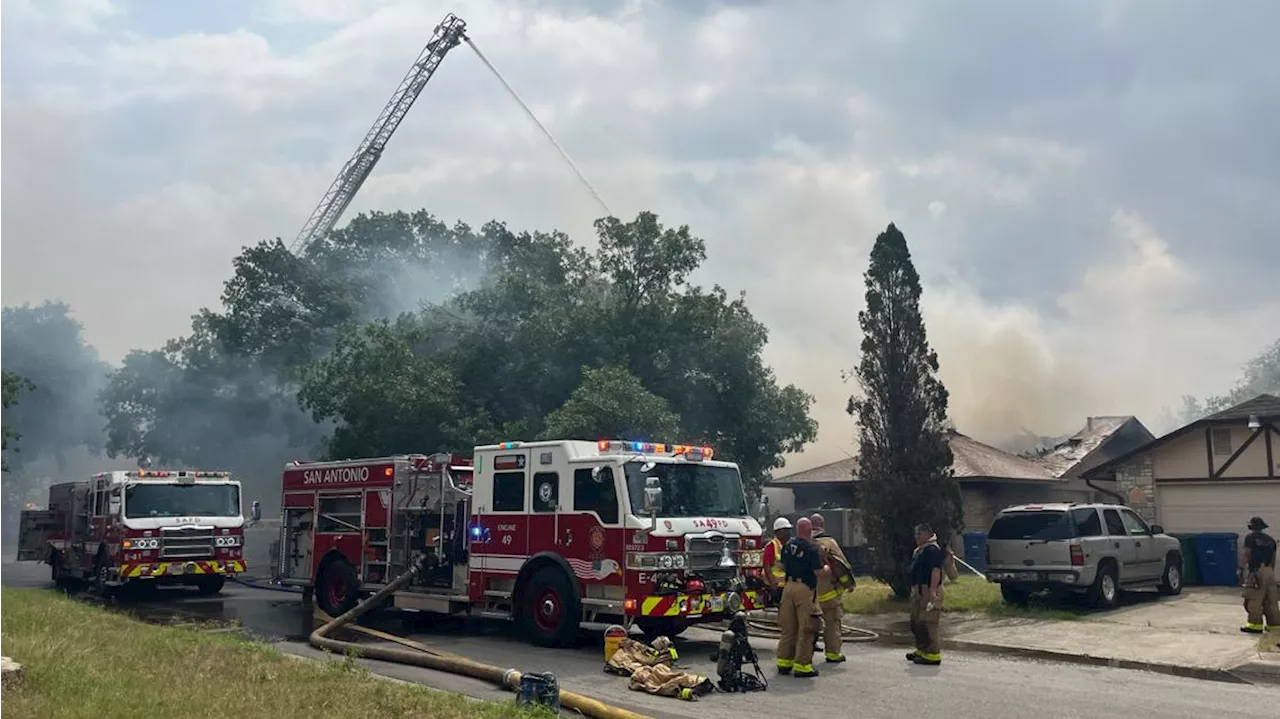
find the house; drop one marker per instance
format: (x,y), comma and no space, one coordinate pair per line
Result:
(1209,476)
(990,480)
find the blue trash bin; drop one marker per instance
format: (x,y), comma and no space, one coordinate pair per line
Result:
(975,550)
(1216,555)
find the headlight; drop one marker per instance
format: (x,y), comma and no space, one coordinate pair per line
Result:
(143,543)
(230,541)
(677,561)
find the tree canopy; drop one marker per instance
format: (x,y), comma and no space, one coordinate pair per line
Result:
(1261,375)
(13,386)
(904,459)
(399,333)
(45,345)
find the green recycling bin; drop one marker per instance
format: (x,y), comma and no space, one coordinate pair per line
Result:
(1190,565)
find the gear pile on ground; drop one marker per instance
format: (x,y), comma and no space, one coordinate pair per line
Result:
(651,670)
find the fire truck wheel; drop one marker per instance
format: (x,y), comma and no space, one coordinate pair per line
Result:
(549,615)
(669,628)
(336,591)
(210,585)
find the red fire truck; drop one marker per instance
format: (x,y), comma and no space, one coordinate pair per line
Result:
(553,535)
(143,526)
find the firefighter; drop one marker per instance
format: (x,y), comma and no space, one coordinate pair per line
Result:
(1258,578)
(830,590)
(802,564)
(926,597)
(772,557)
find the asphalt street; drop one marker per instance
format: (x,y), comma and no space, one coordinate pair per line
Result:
(875,682)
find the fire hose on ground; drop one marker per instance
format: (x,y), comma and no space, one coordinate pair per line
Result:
(429,658)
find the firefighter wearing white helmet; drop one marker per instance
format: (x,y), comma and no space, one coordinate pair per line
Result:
(772,559)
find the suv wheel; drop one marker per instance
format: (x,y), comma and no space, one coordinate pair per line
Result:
(1106,588)
(1171,581)
(1014,596)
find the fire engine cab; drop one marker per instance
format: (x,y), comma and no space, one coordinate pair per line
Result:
(554,535)
(143,526)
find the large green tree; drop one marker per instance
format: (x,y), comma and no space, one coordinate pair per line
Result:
(904,458)
(14,385)
(519,341)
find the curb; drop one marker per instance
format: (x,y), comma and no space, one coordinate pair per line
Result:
(1262,670)
(1229,676)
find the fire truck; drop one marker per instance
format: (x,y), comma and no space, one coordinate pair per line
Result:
(554,535)
(144,526)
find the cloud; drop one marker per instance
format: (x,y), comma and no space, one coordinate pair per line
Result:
(1079,184)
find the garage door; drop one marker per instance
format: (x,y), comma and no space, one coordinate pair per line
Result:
(1216,506)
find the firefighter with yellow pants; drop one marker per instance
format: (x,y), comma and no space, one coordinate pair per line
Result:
(1258,578)
(831,588)
(802,563)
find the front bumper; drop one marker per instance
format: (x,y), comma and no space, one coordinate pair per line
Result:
(693,606)
(190,568)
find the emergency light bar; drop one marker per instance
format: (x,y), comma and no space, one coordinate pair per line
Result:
(182,474)
(692,452)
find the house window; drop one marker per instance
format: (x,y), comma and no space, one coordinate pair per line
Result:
(600,497)
(1222,442)
(508,492)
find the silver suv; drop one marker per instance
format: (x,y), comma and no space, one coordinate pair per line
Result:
(1095,549)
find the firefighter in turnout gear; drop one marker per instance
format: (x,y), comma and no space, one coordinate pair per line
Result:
(802,564)
(772,557)
(831,587)
(926,596)
(1258,578)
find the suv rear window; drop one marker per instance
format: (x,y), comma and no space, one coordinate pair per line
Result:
(1044,526)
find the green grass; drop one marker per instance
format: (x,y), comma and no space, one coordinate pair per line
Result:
(83,662)
(965,594)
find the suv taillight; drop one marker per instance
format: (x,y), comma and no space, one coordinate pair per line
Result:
(1077,556)
(987,549)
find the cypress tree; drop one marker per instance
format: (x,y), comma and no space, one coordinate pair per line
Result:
(905,460)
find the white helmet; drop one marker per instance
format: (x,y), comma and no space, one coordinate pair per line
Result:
(781,523)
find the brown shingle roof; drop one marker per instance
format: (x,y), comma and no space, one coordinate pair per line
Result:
(1068,454)
(975,459)
(1264,406)
(971,459)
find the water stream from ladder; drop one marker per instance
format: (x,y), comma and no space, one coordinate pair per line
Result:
(511,91)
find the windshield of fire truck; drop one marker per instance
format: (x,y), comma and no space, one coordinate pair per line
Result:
(182,500)
(689,490)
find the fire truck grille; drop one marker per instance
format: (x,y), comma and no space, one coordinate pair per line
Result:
(186,543)
(705,553)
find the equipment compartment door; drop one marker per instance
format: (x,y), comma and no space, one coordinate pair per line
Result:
(35,529)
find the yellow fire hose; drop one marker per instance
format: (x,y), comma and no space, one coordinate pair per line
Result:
(429,658)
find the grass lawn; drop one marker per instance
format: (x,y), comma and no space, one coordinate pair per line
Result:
(965,594)
(83,661)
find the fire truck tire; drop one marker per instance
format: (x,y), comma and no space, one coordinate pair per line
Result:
(336,590)
(550,612)
(210,586)
(100,575)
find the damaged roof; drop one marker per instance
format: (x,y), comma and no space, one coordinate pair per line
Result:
(971,459)
(1072,451)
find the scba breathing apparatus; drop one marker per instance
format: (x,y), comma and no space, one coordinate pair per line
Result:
(733,654)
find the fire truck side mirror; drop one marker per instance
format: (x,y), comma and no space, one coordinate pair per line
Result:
(255,511)
(652,495)
(764,509)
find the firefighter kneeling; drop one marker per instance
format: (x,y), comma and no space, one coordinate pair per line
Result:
(802,562)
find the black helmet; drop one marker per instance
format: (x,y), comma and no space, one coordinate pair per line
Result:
(1256,524)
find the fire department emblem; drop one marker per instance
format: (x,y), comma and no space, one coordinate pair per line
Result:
(544,492)
(596,537)
(667,525)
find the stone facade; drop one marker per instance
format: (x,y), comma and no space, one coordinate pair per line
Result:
(1135,480)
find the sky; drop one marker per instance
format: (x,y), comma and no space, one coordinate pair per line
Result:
(1088,188)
